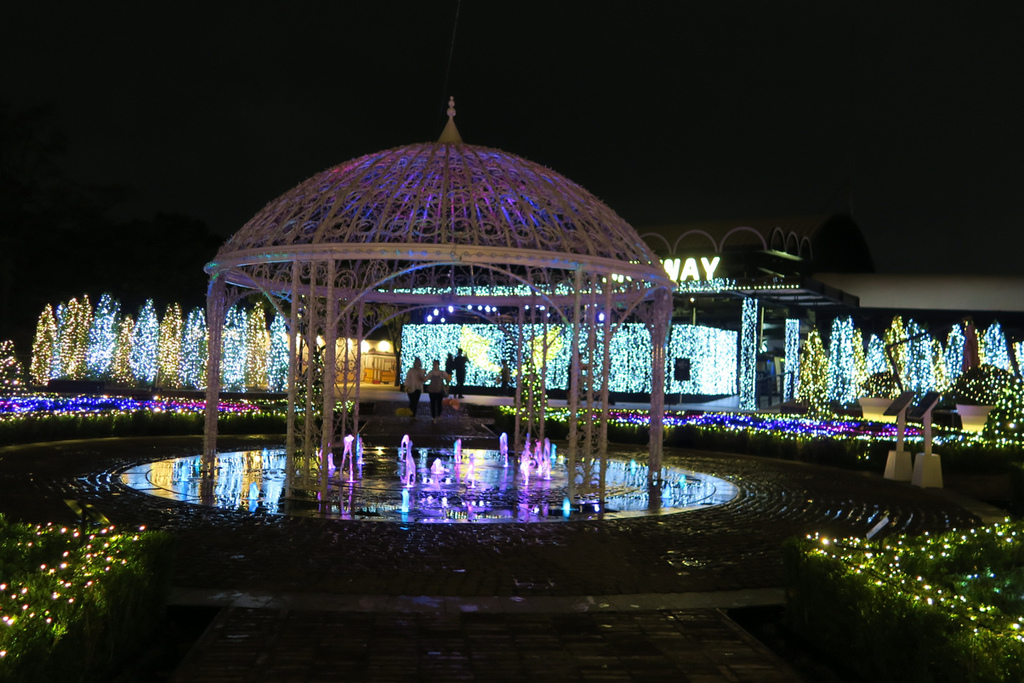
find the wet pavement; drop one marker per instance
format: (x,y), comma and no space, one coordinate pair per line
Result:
(633,599)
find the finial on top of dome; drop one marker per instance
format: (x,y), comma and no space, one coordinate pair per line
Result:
(450,134)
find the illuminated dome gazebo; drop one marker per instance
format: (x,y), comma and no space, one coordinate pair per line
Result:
(437,224)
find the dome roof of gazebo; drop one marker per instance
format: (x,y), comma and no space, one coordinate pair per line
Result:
(441,193)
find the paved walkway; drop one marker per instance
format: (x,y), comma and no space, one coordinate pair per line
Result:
(633,599)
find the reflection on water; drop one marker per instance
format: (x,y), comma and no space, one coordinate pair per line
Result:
(477,486)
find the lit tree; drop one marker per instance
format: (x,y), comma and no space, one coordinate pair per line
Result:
(73,323)
(920,373)
(954,354)
(277,359)
(942,381)
(860,362)
(10,369)
(42,348)
(841,365)
(102,338)
(993,350)
(895,343)
(814,372)
(169,348)
(121,364)
(256,343)
(876,360)
(144,345)
(233,349)
(194,350)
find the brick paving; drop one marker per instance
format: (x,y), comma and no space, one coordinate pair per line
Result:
(733,547)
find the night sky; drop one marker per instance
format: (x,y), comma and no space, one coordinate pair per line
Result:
(909,113)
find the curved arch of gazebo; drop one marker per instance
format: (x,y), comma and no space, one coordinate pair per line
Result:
(340,289)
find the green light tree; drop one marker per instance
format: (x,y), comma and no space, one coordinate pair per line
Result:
(814,369)
(41,366)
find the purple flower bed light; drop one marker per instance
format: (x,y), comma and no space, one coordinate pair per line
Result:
(49,404)
(796,427)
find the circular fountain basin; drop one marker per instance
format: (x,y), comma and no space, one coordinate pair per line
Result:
(479,486)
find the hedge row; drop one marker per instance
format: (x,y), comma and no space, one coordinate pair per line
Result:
(860,454)
(923,622)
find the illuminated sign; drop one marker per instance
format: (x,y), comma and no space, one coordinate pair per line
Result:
(681,270)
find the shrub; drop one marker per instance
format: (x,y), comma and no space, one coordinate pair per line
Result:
(75,602)
(929,608)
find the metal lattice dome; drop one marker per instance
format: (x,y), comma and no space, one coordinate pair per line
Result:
(442,193)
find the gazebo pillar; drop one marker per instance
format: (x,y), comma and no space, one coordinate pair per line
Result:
(215,302)
(659,350)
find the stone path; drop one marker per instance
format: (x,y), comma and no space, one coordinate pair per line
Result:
(633,599)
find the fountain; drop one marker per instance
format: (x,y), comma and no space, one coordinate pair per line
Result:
(426,489)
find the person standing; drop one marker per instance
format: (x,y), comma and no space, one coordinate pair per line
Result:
(460,374)
(437,379)
(414,380)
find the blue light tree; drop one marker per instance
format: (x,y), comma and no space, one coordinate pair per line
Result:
(194,350)
(143,357)
(103,338)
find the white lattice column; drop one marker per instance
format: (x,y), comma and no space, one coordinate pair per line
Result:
(216,296)
(659,350)
(329,376)
(293,369)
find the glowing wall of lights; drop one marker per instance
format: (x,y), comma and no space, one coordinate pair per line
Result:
(712,354)
(792,359)
(748,355)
